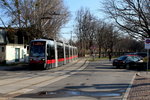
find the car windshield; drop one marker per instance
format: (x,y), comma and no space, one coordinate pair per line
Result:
(133,58)
(122,58)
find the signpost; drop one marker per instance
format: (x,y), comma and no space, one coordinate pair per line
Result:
(147,46)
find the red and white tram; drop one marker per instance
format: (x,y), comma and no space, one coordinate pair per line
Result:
(50,53)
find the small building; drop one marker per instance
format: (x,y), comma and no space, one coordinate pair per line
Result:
(11,52)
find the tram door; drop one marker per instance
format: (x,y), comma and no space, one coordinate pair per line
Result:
(17,54)
(49,56)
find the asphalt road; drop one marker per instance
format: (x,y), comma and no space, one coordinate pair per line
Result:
(94,81)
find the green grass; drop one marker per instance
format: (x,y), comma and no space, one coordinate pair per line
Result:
(148,70)
(97,58)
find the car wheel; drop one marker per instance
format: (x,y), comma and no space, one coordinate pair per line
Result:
(117,67)
(127,66)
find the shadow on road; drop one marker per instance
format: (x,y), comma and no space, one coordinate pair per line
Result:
(71,91)
(98,66)
(20,67)
(111,90)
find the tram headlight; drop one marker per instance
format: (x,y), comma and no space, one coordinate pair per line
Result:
(43,59)
(31,59)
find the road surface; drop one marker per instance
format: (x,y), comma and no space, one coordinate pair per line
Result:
(96,80)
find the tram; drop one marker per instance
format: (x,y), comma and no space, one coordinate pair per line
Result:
(48,54)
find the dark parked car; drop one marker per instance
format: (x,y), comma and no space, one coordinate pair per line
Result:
(129,62)
(120,61)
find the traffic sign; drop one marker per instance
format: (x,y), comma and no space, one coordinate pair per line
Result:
(147,43)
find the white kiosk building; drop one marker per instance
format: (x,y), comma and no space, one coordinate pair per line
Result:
(11,52)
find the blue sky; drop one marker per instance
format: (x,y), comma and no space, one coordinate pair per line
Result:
(74,6)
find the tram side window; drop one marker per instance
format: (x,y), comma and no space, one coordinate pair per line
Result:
(71,52)
(67,52)
(74,51)
(60,52)
(52,51)
(48,52)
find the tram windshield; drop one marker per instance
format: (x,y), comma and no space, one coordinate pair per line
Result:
(37,49)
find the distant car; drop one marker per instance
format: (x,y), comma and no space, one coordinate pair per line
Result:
(128,62)
(141,54)
(130,54)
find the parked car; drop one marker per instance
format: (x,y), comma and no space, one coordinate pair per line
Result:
(128,62)
(120,61)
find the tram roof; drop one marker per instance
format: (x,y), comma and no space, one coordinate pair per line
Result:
(67,44)
(43,40)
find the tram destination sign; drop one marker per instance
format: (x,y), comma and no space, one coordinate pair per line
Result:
(147,43)
(38,43)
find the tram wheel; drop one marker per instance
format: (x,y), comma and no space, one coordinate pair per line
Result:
(45,67)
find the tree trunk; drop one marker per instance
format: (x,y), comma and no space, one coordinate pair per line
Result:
(99,51)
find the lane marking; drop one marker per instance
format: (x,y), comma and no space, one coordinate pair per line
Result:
(21,91)
(129,88)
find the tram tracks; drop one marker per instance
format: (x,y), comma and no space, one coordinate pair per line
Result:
(2,81)
(40,80)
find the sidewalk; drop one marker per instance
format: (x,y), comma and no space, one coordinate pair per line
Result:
(13,66)
(140,89)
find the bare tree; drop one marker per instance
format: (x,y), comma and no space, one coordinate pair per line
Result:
(108,38)
(45,16)
(100,35)
(131,15)
(85,29)
(54,15)
(128,44)
(94,33)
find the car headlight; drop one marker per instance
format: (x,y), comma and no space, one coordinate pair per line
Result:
(141,61)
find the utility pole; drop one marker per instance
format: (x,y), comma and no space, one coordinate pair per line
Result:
(71,43)
(71,37)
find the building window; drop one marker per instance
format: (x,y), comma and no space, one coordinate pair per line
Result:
(3,49)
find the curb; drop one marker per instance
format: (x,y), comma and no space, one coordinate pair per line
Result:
(129,88)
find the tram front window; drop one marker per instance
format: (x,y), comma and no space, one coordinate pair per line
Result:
(37,51)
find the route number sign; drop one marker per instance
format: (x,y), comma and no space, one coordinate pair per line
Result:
(147,43)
